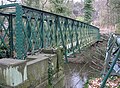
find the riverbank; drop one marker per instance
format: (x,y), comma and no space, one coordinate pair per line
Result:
(85,65)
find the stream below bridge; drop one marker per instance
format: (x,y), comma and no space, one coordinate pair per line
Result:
(76,75)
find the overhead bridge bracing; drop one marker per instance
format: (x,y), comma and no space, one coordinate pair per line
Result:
(25,30)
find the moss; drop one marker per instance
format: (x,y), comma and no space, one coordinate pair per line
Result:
(86,84)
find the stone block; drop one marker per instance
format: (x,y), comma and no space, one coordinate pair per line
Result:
(12,72)
(34,70)
(37,69)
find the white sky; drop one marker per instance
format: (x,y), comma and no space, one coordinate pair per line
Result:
(7,2)
(78,0)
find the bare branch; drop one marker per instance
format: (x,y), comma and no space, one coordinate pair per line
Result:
(107,3)
(43,4)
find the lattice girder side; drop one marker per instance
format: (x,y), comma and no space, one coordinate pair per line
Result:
(83,35)
(47,30)
(3,30)
(36,29)
(7,33)
(70,35)
(80,35)
(61,35)
(77,47)
(90,36)
(4,35)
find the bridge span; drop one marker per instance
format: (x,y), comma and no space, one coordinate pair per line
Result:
(35,43)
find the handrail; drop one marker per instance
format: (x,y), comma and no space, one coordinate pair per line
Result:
(110,70)
(111,44)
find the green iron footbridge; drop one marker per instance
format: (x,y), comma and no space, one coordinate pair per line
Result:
(25,30)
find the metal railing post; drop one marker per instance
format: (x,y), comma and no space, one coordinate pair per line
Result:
(19,32)
(11,35)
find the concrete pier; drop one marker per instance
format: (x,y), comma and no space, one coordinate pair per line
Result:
(33,72)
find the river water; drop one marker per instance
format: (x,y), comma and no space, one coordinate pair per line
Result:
(76,75)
